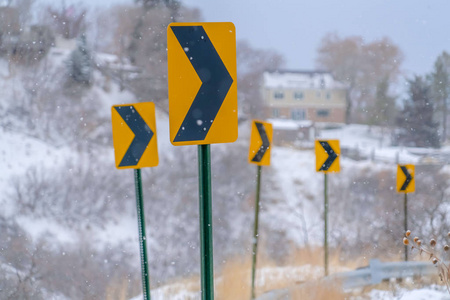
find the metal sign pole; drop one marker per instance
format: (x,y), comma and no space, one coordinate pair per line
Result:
(206,233)
(255,229)
(325,217)
(405,209)
(142,239)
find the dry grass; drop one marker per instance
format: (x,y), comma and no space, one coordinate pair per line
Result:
(235,281)
(118,290)
(299,272)
(303,265)
(315,257)
(318,291)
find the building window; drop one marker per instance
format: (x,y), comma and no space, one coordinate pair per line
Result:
(298,95)
(298,114)
(322,83)
(275,113)
(323,113)
(278,95)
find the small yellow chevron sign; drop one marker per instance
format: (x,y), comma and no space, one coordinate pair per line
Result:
(134,135)
(202,83)
(327,156)
(260,143)
(406,181)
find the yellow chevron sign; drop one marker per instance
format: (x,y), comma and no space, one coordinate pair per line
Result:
(260,143)
(134,135)
(202,83)
(406,181)
(327,156)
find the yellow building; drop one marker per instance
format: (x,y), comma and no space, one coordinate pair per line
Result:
(304,95)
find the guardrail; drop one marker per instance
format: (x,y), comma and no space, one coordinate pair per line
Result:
(375,273)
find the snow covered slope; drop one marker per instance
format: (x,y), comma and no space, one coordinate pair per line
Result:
(68,213)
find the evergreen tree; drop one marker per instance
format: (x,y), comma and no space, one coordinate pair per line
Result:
(416,120)
(80,62)
(384,109)
(440,83)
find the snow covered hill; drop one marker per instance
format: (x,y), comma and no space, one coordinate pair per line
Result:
(69,217)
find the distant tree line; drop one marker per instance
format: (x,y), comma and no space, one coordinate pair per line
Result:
(371,70)
(368,69)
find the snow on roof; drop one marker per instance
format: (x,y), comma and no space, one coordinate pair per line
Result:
(67,44)
(112,61)
(301,80)
(286,124)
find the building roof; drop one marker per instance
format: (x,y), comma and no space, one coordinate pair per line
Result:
(292,79)
(289,124)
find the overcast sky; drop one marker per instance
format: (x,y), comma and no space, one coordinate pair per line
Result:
(294,28)
(421,28)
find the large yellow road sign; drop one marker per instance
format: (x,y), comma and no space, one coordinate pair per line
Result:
(406,182)
(260,143)
(134,135)
(202,83)
(327,156)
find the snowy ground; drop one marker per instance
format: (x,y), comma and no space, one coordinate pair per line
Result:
(426,293)
(370,142)
(298,189)
(180,291)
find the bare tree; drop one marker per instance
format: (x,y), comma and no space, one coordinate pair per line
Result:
(69,22)
(362,66)
(252,63)
(140,37)
(40,193)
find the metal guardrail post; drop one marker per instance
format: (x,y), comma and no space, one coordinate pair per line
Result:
(376,271)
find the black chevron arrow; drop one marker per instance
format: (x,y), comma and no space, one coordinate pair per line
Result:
(331,156)
(265,142)
(142,135)
(408,178)
(216,81)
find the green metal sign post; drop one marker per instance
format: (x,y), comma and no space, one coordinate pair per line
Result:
(142,239)
(327,161)
(208,117)
(206,233)
(405,210)
(255,229)
(325,217)
(136,123)
(406,183)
